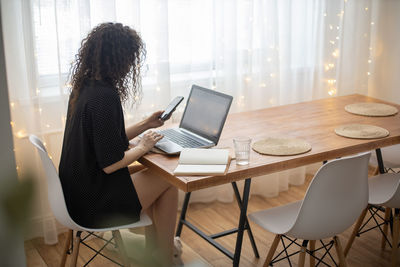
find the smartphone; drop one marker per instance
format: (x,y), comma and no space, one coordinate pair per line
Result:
(171,108)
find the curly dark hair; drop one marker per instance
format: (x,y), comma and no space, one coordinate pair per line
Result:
(112,53)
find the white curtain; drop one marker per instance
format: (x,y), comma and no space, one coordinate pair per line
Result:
(263,52)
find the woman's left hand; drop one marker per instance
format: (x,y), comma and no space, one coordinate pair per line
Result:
(154,120)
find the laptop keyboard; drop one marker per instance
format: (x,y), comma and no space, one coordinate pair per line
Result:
(180,139)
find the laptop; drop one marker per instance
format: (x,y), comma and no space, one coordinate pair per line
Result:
(201,124)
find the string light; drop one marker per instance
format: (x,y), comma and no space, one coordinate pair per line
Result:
(369,61)
(366,8)
(325,14)
(247,79)
(263,85)
(329,66)
(158,89)
(372,23)
(48,125)
(335,53)
(269,59)
(21,134)
(12,104)
(272,75)
(12,123)
(331,81)
(332,42)
(368,73)
(332,92)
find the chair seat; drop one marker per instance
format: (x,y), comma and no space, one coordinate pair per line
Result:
(144,221)
(278,220)
(382,188)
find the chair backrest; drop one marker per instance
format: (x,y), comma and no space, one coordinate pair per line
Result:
(394,200)
(54,189)
(390,156)
(335,198)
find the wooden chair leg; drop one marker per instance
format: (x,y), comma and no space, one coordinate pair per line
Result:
(395,240)
(302,257)
(376,171)
(75,251)
(355,231)
(121,249)
(385,227)
(339,251)
(272,250)
(312,248)
(66,247)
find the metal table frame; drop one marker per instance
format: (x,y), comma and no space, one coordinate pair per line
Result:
(243,221)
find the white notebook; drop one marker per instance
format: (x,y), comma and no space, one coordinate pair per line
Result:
(197,161)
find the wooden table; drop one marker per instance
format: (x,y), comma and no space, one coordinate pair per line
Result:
(313,121)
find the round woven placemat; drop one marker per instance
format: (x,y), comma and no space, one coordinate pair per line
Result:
(371,109)
(281,146)
(361,131)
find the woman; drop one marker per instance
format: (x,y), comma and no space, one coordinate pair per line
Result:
(98,188)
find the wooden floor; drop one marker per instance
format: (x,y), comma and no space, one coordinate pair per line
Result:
(215,217)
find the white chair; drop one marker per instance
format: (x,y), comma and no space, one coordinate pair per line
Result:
(384,190)
(334,199)
(59,208)
(390,157)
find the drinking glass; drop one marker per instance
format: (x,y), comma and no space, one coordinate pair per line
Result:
(242,150)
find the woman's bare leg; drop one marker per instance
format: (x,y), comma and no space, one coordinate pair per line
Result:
(162,198)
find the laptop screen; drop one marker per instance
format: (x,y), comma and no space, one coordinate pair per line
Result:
(205,113)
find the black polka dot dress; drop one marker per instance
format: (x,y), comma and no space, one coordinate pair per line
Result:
(95,138)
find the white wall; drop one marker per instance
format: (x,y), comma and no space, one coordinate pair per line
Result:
(385,79)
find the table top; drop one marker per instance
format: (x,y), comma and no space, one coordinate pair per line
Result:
(313,121)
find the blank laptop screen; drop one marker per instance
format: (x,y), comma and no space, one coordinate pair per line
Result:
(206,112)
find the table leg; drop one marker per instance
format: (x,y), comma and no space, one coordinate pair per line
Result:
(247,225)
(380,161)
(242,221)
(183,214)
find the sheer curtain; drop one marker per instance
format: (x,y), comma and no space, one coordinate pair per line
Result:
(263,52)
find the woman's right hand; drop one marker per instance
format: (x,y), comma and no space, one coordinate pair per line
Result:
(149,139)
